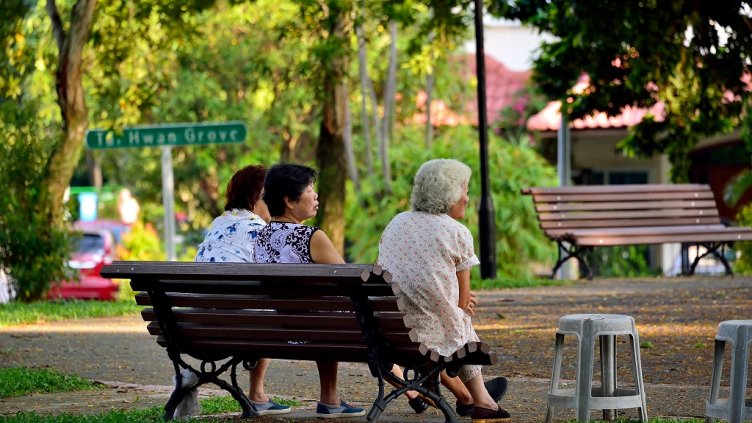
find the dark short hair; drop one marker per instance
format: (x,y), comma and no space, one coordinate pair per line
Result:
(286,180)
(245,187)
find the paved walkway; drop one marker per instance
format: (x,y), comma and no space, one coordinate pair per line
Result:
(119,353)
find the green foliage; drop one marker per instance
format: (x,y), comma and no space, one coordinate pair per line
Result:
(31,249)
(690,56)
(141,243)
(620,261)
(19,381)
(519,240)
(53,311)
(743,264)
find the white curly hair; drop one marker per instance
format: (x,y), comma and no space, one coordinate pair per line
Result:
(438,185)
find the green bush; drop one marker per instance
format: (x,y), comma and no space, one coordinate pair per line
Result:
(519,241)
(743,264)
(620,261)
(32,250)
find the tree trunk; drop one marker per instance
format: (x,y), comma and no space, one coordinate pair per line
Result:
(70,92)
(331,148)
(429,94)
(387,121)
(364,94)
(352,166)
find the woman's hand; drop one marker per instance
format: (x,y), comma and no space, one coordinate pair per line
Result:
(471,303)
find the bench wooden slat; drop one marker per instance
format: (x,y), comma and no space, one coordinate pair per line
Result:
(290,288)
(662,239)
(552,228)
(620,197)
(279,333)
(356,353)
(641,205)
(268,302)
(385,320)
(608,189)
(630,214)
(348,273)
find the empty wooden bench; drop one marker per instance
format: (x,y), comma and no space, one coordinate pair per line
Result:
(228,314)
(580,218)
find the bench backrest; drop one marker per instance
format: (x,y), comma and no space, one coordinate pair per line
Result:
(217,310)
(562,209)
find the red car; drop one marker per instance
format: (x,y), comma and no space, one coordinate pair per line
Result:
(92,251)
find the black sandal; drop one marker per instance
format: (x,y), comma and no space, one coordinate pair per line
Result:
(418,405)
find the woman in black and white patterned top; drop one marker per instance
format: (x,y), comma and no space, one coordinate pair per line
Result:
(289,194)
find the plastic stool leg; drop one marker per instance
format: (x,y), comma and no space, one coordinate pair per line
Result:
(739,359)
(608,371)
(585,371)
(555,373)
(634,339)
(715,383)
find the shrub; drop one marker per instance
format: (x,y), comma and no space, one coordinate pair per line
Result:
(32,250)
(519,241)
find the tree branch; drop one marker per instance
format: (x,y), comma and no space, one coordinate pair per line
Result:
(57,24)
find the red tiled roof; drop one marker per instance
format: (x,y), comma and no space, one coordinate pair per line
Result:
(501,86)
(549,119)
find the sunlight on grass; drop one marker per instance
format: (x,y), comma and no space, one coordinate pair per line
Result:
(227,404)
(18,381)
(16,313)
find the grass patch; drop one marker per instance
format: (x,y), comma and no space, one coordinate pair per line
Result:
(227,404)
(500,283)
(19,381)
(215,405)
(16,313)
(153,414)
(654,420)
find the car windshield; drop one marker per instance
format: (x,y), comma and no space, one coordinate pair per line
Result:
(90,243)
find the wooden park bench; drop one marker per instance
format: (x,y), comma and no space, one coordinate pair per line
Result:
(228,314)
(580,218)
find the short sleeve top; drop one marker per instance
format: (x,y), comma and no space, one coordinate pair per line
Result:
(231,238)
(281,242)
(423,252)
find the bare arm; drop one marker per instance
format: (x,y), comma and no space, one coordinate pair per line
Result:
(468,299)
(323,251)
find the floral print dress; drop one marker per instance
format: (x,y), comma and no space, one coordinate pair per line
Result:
(231,238)
(424,252)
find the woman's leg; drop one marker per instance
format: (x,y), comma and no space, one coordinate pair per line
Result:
(257,375)
(328,382)
(457,388)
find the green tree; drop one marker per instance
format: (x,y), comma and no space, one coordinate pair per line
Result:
(694,57)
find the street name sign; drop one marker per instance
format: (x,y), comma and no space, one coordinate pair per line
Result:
(168,135)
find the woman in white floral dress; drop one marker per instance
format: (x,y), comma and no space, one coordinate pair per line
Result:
(231,239)
(429,255)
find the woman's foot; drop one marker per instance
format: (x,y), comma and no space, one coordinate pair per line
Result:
(486,415)
(496,388)
(418,405)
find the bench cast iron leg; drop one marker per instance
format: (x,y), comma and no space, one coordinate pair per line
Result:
(568,251)
(712,248)
(417,382)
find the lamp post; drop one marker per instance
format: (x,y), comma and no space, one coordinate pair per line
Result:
(486,223)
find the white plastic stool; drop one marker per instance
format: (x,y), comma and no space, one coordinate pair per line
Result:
(739,334)
(608,397)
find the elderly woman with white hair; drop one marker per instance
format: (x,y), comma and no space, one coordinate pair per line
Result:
(429,255)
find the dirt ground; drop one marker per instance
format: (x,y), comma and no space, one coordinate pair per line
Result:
(676,318)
